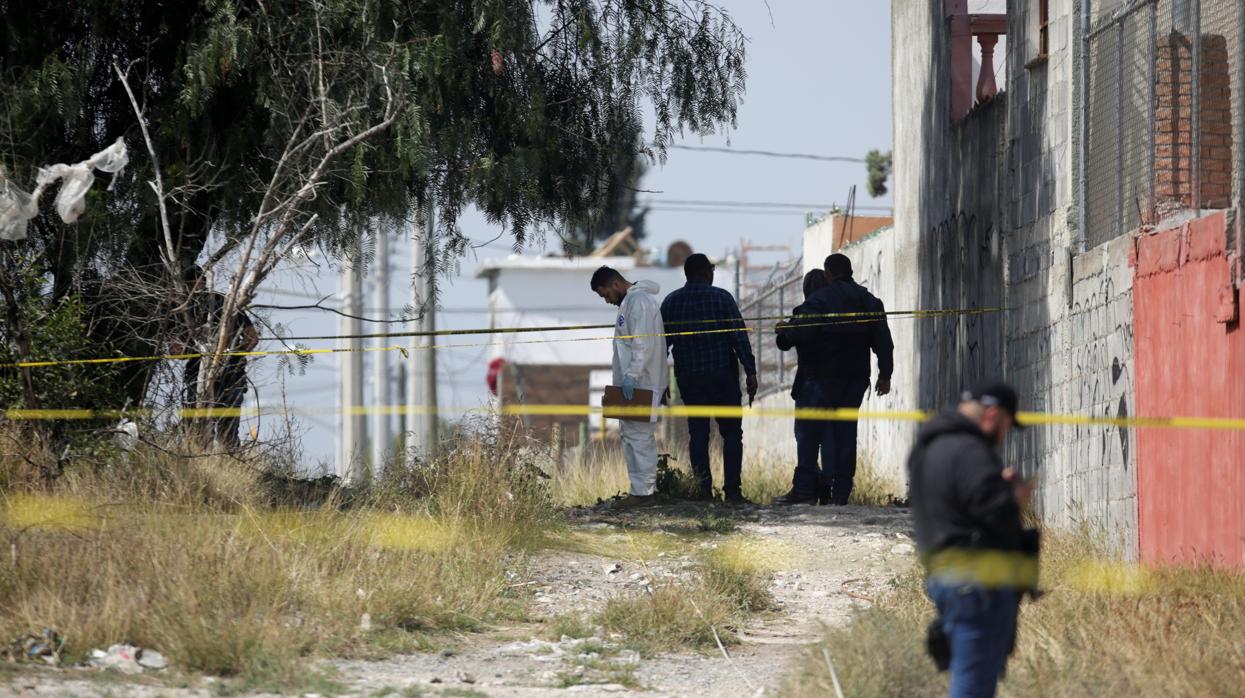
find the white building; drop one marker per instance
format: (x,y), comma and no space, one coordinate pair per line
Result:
(567,367)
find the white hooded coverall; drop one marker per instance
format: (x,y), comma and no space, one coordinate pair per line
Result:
(644,359)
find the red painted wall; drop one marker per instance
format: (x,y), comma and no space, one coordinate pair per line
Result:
(1189,361)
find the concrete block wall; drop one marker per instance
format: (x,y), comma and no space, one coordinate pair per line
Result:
(769,441)
(884,444)
(1066,339)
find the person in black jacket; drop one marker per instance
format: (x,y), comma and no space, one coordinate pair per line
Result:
(814,281)
(979,558)
(833,332)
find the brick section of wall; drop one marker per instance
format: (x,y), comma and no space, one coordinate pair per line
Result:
(547,385)
(1173,137)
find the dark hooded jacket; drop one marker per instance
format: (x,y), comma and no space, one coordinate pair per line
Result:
(958,495)
(837,348)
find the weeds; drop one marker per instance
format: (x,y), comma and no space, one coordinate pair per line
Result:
(569,625)
(1103,630)
(185,555)
(676,615)
(713,523)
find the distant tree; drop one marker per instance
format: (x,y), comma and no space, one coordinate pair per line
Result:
(259,129)
(879,168)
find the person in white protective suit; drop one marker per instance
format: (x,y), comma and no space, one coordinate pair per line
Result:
(639,362)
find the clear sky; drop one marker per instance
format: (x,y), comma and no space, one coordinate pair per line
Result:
(818,83)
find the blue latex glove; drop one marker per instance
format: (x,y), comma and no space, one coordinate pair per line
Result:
(628,387)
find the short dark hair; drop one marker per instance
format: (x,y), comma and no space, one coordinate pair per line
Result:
(838,265)
(813,281)
(604,277)
(697,266)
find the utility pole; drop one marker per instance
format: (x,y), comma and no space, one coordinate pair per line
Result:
(422,377)
(380,359)
(352,425)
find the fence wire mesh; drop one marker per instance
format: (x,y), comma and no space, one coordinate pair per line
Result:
(777,297)
(1164,111)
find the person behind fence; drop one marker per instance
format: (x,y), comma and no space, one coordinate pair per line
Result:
(978,557)
(840,324)
(639,362)
(205,314)
(706,368)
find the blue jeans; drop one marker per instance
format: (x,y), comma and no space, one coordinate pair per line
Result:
(980,625)
(714,389)
(834,441)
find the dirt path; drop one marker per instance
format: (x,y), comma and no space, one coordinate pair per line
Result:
(824,561)
(827,560)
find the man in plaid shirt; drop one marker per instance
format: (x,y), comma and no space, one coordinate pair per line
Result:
(706,367)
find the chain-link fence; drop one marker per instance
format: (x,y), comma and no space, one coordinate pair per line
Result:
(776,298)
(1162,118)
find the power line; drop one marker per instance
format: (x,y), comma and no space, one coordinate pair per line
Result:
(733,212)
(768,153)
(753,204)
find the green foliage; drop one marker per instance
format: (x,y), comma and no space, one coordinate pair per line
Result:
(42,330)
(879,167)
(674,481)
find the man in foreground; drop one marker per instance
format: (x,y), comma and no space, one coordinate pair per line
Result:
(978,557)
(639,362)
(706,367)
(839,324)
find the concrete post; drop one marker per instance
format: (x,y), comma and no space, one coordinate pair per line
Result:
(352,424)
(380,366)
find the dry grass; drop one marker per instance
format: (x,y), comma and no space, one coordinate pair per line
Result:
(728,588)
(1103,630)
(183,555)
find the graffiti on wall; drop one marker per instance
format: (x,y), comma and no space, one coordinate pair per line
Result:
(1102,381)
(961,349)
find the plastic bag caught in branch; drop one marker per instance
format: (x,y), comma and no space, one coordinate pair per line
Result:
(17,207)
(78,178)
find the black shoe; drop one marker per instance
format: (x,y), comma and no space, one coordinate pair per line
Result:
(823,496)
(701,496)
(794,497)
(737,499)
(634,501)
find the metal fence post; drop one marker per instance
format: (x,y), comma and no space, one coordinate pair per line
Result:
(1196,124)
(1152,49)
(760,335)
(782,312)
(1082,164)
(1119,128)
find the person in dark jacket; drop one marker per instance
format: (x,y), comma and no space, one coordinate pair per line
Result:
(706,367)
(833,332)
(979,558)
(814,281)
(206,313)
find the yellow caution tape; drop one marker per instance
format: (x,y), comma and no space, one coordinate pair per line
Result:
(992,569)
(843,319)
(727,411)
